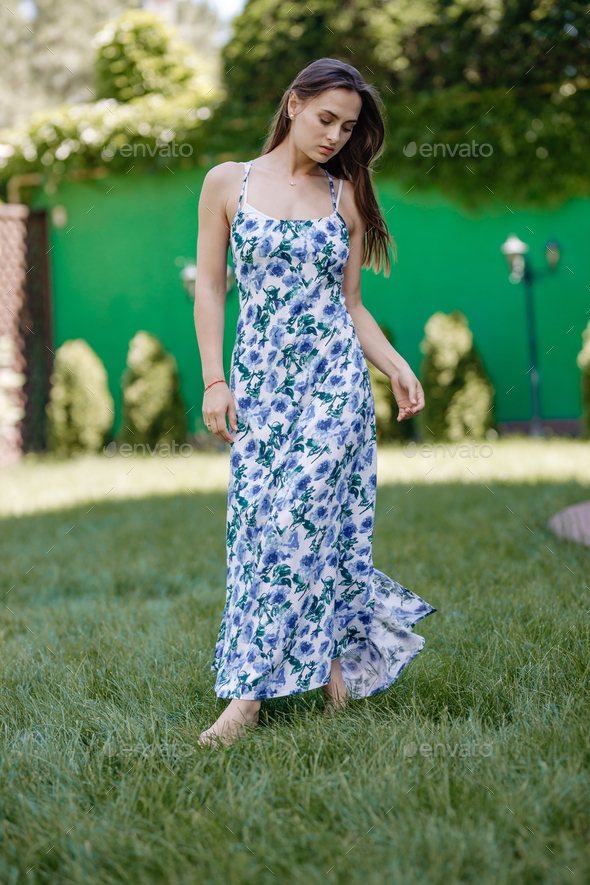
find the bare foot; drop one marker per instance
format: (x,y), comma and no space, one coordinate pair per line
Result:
(335,692)
(335,701)
(233,723)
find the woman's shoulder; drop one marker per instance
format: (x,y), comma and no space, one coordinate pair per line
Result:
(225,172)
(222,183)
(347,202)
(345,183)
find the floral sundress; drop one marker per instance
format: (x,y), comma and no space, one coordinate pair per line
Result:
(301,586)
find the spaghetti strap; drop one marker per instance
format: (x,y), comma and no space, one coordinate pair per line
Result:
(244,190)
(339,192)
(334,204)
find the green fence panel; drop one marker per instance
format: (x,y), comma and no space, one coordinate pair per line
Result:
(114,271)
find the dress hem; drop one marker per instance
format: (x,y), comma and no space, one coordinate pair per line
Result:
(405,664)
(241,697)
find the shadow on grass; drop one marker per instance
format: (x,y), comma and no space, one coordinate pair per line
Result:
(113,610)
(503,586)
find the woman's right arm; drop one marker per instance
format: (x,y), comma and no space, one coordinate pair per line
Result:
(210,291)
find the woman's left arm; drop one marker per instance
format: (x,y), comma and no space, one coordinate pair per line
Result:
(406,387)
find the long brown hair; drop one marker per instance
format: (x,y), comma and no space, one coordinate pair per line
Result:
(353,162)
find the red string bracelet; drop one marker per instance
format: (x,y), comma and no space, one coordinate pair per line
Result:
(221,381)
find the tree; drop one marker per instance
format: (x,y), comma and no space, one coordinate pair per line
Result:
(137,55)
(44,64)
(512,74)
(153,89)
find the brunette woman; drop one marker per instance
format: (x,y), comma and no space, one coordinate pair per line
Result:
(305,608)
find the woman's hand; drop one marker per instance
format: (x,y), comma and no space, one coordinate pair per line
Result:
(408,393)
(217,403)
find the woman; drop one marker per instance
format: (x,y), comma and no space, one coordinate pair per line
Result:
(304,608)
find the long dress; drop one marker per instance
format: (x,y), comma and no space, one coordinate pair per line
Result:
(301,586)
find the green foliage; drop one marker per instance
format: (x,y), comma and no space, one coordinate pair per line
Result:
(511,74)
(583,361)
(11,382)
(45,62)
(388,428)
(174,91)
(273,40)
(458,393)
(71,139)
(153,408)
(137,54)
(80,409)
(508,73)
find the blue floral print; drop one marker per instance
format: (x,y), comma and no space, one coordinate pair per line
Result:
(301,586)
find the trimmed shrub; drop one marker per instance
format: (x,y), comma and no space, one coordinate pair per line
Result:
(11,400)
(137,55)
(388,428)
(80,408)
(583,361)
(459,395)
(153,408)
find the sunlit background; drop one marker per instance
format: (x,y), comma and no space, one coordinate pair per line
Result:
(111,115)
(113,498)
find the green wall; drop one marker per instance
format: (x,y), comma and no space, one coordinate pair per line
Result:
(113,273)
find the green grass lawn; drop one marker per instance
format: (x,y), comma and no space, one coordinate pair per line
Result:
(473,767)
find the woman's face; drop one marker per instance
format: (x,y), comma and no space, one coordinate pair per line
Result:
(322,125)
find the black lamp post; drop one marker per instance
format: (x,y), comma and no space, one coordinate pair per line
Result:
(521,270)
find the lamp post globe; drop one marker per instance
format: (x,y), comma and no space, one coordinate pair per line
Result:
(188,275)
(514,251)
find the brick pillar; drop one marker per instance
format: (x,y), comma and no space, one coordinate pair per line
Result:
(12,361)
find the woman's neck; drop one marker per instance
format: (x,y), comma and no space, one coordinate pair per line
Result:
(288,160)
